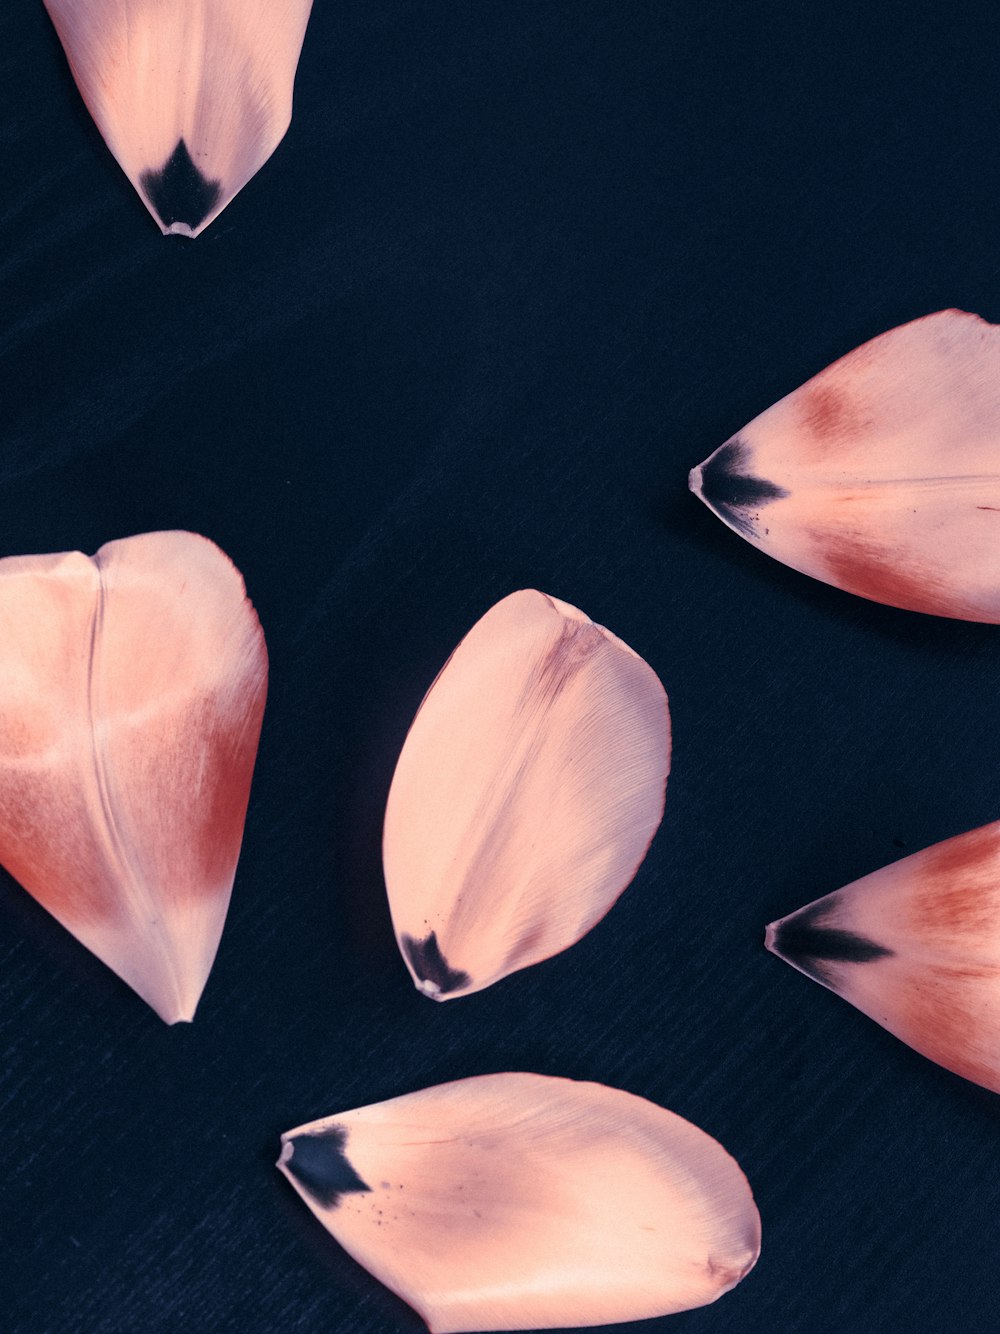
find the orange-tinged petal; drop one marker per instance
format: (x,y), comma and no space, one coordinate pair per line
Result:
(517,1201)
(916,947)
(132,689)
(881,475)
(526,795)
(191,96)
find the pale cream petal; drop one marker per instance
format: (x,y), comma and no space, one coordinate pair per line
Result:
(916,946)
(132,688)
(517,1201)
(191,96)
(881,475)
(526,794)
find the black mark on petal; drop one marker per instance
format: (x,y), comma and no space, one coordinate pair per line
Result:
(804,941)
(178,191)
(319,1164)
(432,968)
(733,492)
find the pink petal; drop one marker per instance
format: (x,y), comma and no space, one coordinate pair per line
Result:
(881,475)
(191,96)
(516,1201)
(525,797)
(133,691)
(916,947)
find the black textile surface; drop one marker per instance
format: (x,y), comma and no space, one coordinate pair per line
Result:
(514,270)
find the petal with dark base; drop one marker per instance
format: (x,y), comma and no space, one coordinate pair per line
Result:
(191,96)
(881,475)
(525,796)
(516,1201)
(916,946)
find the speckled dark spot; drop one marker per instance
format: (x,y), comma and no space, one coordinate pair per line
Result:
(178,190)
(735,494)
(430,965)
(320,1166)
(805,942)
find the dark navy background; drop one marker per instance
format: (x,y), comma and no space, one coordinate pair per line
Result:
(515,269)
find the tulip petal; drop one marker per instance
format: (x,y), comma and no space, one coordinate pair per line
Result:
(132,689)
(881,475)
(191,96)
(916,947)
(517,1201)
(525,797)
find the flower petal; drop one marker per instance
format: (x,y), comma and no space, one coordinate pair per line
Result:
(191,96)
(881,475)
(916,947)
(525,797)
(516,1201)
(132,692)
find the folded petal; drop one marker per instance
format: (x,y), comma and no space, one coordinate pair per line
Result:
(191,96)
(916,947)
(525,797)
(881,475)
(132,688)
(517,1201)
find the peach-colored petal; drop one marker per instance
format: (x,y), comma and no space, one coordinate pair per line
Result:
(517,1201)
(916,947)
(191,96)
(132,688)
(526,794)
(881,475)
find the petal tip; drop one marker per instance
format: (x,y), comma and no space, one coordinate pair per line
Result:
(811,941)
(179,229)
(186,1018)
(180,1008)
(727,484)
(730,1275)
(181,196)
(316,1162)
(433,976)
